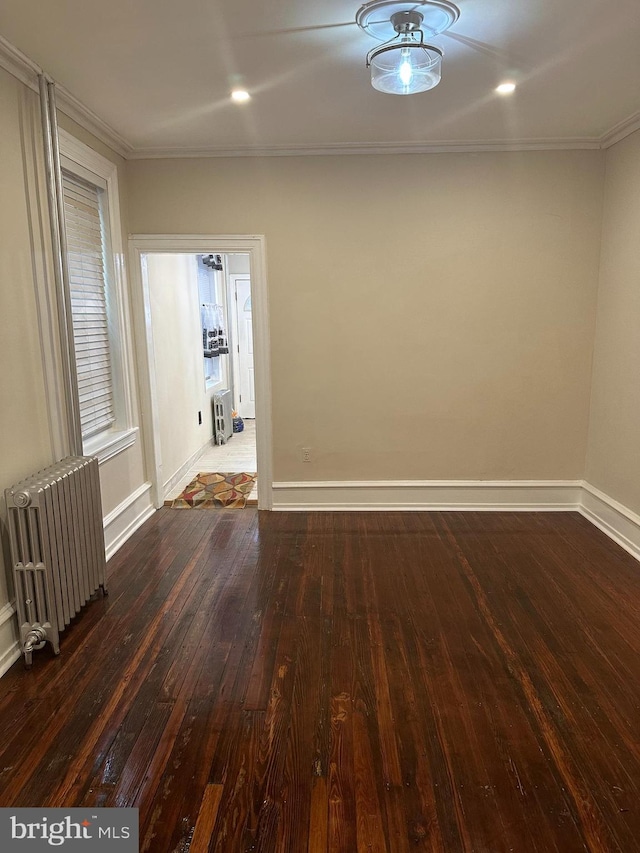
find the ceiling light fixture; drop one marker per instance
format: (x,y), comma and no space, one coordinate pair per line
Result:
(506,88)
(405,63)
(240,96)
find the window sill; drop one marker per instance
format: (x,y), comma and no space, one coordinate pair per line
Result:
(109,444)
(214,385)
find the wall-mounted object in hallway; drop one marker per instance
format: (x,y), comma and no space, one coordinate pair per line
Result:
(212,261)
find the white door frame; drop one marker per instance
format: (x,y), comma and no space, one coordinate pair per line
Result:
(199,244)
(235,358)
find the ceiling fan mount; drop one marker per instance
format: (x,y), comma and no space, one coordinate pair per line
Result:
(378,17)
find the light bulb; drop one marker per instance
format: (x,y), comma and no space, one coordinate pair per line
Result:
(405,72)
(405,67)
(240,96)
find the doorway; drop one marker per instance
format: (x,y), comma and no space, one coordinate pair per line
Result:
(248,357)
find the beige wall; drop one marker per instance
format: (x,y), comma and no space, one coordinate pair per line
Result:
(177,339)
(25,442)
(613,461)
(432,317)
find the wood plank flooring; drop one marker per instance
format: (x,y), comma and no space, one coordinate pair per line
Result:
(346,682)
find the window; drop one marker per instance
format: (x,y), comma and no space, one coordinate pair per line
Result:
(207,297)
(95,282)
(86,252)
(212,300)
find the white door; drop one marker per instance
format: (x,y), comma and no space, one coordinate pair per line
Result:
(243,327)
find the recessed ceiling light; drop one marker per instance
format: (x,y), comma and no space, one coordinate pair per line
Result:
(506,88)
(240,96)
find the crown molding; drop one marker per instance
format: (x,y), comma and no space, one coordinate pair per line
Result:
(620,131)
(19,65)
(27,71)
(86,118)
(453,147)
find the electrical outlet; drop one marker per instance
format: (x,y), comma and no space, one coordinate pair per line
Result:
(306,454)
(199,417)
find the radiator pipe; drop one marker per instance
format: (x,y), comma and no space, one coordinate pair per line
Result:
(60,264)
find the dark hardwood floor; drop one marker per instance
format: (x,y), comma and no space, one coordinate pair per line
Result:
(346,682)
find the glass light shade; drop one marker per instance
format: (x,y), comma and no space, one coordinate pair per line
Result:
(405,68)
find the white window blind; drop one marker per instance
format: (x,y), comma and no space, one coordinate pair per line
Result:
(87,280)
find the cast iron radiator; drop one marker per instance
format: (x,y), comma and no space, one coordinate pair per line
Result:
(57,548)
(222,417)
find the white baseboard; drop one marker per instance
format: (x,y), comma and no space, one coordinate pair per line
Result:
(617,521)
(184,469)
(9,644)
(613,518)
(126,518)
(508,495)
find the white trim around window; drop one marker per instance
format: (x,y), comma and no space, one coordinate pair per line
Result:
(88,164)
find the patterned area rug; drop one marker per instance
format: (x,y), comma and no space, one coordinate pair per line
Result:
(215,490)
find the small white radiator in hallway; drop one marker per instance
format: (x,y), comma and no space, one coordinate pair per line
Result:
(222,417)
(57,548)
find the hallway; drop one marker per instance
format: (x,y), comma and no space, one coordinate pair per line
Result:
(236,456)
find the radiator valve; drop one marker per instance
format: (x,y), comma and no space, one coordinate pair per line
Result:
(35,639)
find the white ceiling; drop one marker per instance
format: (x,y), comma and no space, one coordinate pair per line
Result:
(159,73)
